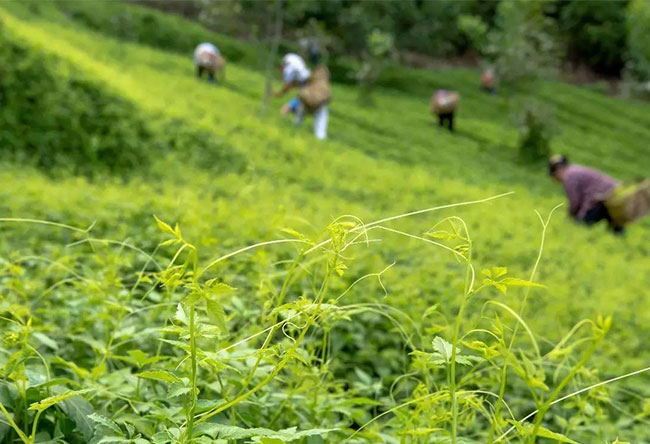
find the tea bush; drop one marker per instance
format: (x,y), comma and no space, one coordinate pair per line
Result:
(261,312)
(55,117)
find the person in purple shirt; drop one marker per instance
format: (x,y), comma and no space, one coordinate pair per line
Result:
(587,189)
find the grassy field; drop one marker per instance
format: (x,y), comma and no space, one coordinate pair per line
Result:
(86,310)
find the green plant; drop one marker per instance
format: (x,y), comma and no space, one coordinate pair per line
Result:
(638,66)
(536,127)
(378,54)
(522,47)
(97,294)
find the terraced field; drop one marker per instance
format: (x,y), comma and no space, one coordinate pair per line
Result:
(325,337)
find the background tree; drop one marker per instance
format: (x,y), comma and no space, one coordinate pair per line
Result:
(594,33)
(637,69)
(379,53)
(523,49)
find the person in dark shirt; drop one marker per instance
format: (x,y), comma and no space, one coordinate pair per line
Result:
(587,189)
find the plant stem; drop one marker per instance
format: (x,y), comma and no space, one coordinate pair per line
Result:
(504,369)
(537,423)
(35,425)
(285,360)
(193,363)
(13,425)
(454,346)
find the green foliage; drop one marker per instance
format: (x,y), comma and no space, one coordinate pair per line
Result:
(221,317)
(595,33)
(522,47)
(536,127)
(638,41)
(378,54)
(476,31)
(55,117)
(153,28)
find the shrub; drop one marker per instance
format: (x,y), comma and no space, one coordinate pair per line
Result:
(53,117)
(535,124)
(153,28)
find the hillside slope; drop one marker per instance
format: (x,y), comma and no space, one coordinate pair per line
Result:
(380,161)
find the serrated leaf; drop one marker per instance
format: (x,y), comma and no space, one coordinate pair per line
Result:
(78,408)
(52,400)
(158,375)
(177,390)
(214,287)
(106,422)
(139,356)
(443,348)
(181,316)
(217,315)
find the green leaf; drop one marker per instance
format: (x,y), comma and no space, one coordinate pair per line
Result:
(158,375)
(78,409)
(441,234)
(217,315)
(545,433)
(141,358)
(108,423)
(114,439)
(181,316)
(294,233)
(45,340)
(164,227)
(443,347)
(340,268)
(52,400)
(515,282)
(177,390)
(214,287)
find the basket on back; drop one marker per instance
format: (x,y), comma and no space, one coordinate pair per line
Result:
(211,61)
(444,102)
(317,91)
(627,204)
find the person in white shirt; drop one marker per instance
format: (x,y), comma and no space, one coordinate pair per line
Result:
(206,57)
(296,74)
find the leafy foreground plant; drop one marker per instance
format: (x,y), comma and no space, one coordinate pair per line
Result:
(103,344)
